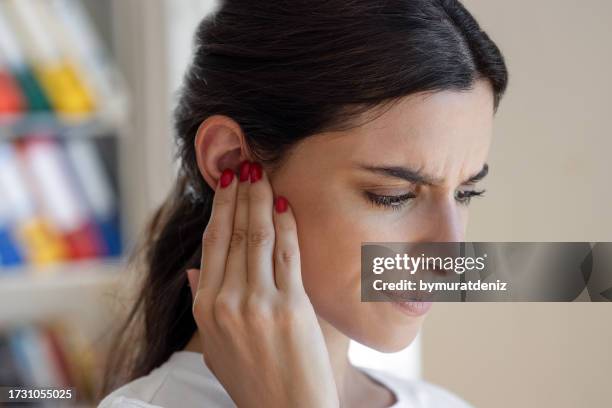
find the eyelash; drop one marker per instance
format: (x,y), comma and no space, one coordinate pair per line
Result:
(397,202)
(393,202)
(469,194)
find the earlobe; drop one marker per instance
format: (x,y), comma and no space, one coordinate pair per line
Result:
(219,145)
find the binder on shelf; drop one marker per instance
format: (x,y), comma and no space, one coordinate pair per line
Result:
(10,254)
(22,364)
(34,96)
(97,191)
(49,172)
(60,204)
(33,357)
(9,370)
(39,242)
(57,75)
(57,355)
(11,99)
(52,61)
(74,32)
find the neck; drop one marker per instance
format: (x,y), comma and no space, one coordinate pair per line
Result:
(337,348)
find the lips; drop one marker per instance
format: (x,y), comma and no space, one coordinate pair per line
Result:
(412,304)
(414,309)
(405,296)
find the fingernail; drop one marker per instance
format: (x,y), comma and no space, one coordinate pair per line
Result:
(256,172)
(244,170)
(281,204)
(226,178)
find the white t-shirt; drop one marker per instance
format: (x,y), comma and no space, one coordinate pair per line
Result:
(185,381)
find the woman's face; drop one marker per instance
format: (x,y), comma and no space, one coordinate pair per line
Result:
(403,177)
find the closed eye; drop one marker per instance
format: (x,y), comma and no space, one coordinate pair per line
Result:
(395,202)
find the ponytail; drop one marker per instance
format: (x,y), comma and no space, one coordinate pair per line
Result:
(160,321)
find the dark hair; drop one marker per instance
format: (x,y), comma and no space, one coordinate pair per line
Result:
(285,70)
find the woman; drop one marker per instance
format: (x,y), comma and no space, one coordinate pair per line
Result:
(304,129)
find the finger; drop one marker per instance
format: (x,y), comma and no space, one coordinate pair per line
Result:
(261,231)
(287,268)
(236,265)
(217,235)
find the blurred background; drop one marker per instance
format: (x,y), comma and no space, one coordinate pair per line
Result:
(86,154)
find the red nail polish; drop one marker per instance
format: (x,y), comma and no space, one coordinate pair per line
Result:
(226,178)
(281,204)
(244,170)
(256,172)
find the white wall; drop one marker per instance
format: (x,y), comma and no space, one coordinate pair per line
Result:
(549,181)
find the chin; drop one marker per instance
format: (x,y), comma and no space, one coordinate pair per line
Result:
(381,326)
(389,337)
(392,343)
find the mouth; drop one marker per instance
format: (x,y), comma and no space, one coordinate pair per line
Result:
(403,296)
(413,309)
(414,304)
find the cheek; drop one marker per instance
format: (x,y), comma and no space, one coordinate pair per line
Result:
(330,246)
(330,237)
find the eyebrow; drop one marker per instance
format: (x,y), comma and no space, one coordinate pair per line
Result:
(418,177)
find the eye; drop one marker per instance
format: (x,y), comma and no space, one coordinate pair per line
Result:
(465,196)
(395,202)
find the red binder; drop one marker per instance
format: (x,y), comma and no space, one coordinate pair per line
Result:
(11,98)
(55,189)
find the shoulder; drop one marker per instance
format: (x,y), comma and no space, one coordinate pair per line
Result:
(138,393)
(183,380)
(120,401)
(417,393)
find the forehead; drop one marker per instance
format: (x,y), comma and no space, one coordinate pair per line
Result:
(446,134)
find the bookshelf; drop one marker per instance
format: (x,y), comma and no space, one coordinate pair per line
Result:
(45,122)
(133,136)
(51,286)
(63,104)
(73,288)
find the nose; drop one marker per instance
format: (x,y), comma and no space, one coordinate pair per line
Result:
(443,223)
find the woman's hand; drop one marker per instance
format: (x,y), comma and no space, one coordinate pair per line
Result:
(258,331)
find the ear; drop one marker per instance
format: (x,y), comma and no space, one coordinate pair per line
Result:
(219,145)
